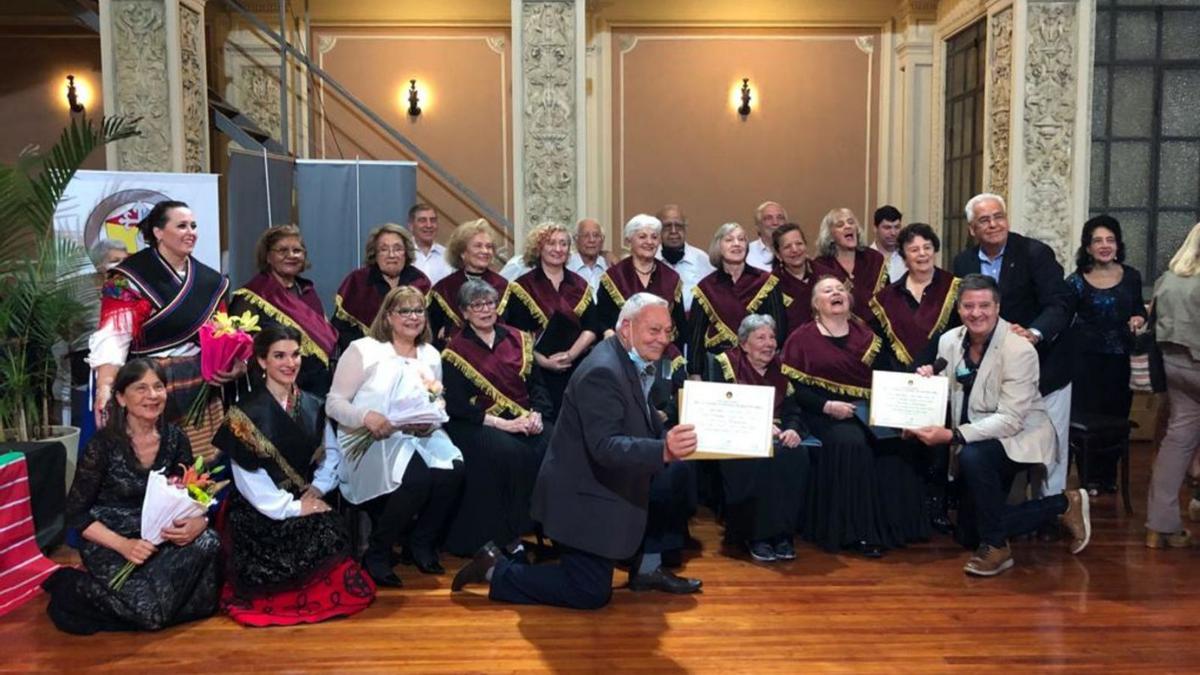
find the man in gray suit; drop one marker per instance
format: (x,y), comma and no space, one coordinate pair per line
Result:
(999,422)
(593,489)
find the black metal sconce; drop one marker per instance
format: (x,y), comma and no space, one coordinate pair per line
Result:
(414,110)
(744,109)
(73,96)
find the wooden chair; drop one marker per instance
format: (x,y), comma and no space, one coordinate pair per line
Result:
(1102,433)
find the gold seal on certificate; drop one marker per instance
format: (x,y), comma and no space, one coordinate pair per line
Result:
(733,421)
(907,400)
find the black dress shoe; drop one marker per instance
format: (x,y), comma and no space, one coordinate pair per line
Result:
(381,573)
(867,550)
(426,561)
(941,523)
(475,571)
(665,581)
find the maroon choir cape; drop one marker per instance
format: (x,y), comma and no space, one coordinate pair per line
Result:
(735,367)
(302,312)
(909,331)
(360,295)
(621,281)
(813,359)
(537,294)
(498,375)
(726,305)
(869,275)
(797,294)
(445,293)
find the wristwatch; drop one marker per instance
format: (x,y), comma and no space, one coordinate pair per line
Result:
(1037,334)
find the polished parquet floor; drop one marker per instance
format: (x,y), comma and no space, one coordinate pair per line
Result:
(1117,607)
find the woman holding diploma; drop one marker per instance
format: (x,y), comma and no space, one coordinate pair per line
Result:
(850,503)
(763,497)
(723,298)
(409,474)
(555,305)
(496,403)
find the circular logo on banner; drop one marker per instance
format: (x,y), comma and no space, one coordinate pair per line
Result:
(117,216)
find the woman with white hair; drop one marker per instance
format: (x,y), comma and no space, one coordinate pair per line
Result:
(763,497)
(641,272)
(843,253)
(729,294)
(1177,329)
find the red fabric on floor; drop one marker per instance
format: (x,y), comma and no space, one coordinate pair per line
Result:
(22,565)
(343,591)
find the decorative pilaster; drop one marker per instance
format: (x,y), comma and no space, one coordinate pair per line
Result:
(548,72)
(905,89)
(999,101)
(153,59)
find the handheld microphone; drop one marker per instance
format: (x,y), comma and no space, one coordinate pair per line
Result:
(939,365)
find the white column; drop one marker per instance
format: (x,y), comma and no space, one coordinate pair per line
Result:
(907,104)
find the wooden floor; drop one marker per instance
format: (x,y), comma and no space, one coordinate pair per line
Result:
(1117,607)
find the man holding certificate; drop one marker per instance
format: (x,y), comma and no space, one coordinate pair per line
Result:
(593,490)
(999,420)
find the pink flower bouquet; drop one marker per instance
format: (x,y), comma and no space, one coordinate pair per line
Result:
(224,341)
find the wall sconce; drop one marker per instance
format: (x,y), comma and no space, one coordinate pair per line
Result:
(414,110)
(744,109)
(73,96)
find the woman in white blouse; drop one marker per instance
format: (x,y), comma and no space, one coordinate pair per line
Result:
(409,472)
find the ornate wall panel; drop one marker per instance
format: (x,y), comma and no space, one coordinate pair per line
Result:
(195,91)
(140,83)
(999,100)
(1049,118)
(548,110)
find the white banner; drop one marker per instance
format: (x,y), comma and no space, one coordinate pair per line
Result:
(109,204)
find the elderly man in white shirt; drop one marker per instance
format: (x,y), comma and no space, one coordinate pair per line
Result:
(888,221)
(587,260)
(768,216)
(430,256)
(690,262)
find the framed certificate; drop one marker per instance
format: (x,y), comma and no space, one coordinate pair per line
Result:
(907,400)
(733,421)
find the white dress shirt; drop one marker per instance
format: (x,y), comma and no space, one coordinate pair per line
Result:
(692,267)
(590,273)
(433,264)
(514,268)
(277,503)
(760,255)
(895,263)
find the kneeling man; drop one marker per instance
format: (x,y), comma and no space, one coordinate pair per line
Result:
(593,489)
(1000,423)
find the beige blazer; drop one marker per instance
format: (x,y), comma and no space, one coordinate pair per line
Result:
(1005,403)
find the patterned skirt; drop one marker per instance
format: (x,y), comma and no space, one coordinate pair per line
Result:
(183,385)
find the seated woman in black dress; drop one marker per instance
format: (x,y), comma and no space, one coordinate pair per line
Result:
(498,412)
(723,298)
(763,497)
(290,560)
(855,501)
(390,253)
(278,294)
(555,305)
(176,581)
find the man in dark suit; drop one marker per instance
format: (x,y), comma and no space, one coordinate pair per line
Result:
(1036,300)
(593,489)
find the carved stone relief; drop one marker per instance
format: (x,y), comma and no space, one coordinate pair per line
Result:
(1049,120)
(549,143)
(999,100)
(258,97)
(195,91)
(140,83)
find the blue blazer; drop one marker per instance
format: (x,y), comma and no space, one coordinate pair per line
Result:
(593,488)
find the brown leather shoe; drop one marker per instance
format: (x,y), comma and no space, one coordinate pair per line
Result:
(989,561)
(1180,539)
(475,571)
(1078,519)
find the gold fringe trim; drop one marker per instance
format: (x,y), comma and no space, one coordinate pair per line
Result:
(518,291)
(872,351)
(446,309)
(947,307)
(726,367)
(828,385)
(677,363)
(898,347)
(582,305)
(679,292)
(247,432)
(526,353)
(502,402)
(503,303)
(307,346)
(341,313)
(723,334)
(883,276)
(768,286)
(611,286)
(787,300)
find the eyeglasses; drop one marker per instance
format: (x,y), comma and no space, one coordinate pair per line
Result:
(988,220)
(398,249)
(480,305)
(409,311)
(285,251)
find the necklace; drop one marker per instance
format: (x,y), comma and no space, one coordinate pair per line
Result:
(829,332)
(645,272)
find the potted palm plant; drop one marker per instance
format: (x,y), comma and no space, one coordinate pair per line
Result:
(47,293)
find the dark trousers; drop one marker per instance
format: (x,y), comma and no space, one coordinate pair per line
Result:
(988,474)
(764,498)
(580,580)
(423,500)
(671,505)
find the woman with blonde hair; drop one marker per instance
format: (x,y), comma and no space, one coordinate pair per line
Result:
(390,253)
(843,254)
(1177,330)
(470,252)
(553,304)
(409,475)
